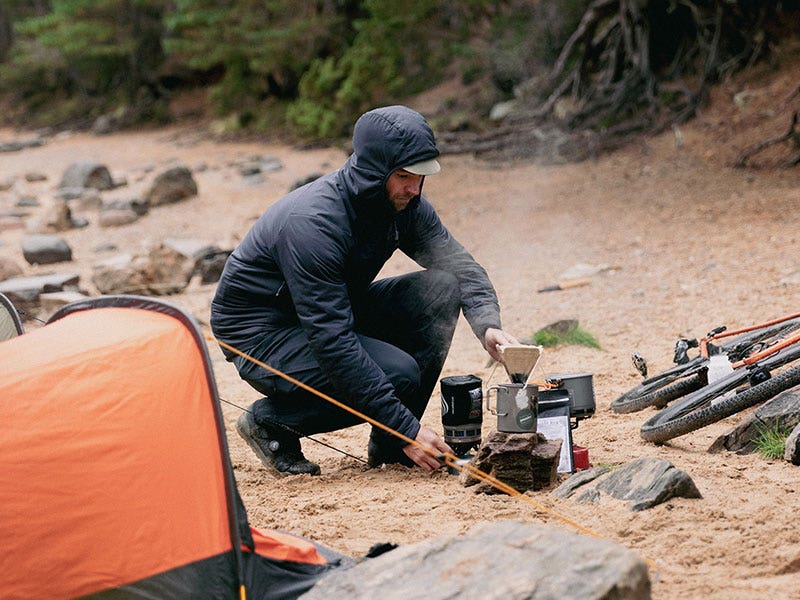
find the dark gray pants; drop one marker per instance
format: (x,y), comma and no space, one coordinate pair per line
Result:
(405,324)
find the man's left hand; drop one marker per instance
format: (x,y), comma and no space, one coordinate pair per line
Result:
(493,338)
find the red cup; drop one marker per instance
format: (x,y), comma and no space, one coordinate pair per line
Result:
(580,457)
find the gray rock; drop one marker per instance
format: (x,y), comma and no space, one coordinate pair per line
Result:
(160,271)
(194,249)
(18,145)
(781,412)
(84,198)
(173,185)
(211,265)
(57,216)
(26,290)
(45,249)
(643,482)
(28,202)
(579,479)
(116,217)
(792,452)
(646,482)
(508,559)
(87,174)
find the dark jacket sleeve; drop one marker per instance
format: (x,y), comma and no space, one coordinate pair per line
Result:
(310,254)
(431,245)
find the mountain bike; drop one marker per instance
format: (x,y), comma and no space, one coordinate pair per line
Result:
(751,385)
(690,375)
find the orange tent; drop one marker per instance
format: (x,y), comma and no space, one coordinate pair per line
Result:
(115,474)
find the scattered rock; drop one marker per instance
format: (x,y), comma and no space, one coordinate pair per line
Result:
(25,291)
(45,249)
(644,482)
(34,177)
(84,198)
(161,271)
(114,213)
(523,461)
(18,145)
(173,185)
(28,202)
(87,174)
(211,266)
(9,222)
(56,217)
(579,479)
(781,412)
(506,559)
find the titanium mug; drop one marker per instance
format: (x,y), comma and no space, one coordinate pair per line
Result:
(515,406)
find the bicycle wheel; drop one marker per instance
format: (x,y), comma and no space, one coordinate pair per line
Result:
(660,396)
(670,384)
(696,410)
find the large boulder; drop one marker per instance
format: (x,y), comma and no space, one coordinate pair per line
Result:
(506,559)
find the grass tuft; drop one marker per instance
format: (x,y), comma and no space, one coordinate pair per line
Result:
(573,334)
(771,442)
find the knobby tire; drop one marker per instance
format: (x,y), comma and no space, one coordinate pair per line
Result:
(659,397)
(675,421)
(663,388)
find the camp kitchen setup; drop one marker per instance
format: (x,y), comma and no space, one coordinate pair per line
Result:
(553,406)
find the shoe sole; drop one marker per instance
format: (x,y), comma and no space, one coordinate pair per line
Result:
(244,426)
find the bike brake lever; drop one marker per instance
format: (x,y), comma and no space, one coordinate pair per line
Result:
(717,331)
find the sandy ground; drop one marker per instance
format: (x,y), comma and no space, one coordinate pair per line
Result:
(696,244)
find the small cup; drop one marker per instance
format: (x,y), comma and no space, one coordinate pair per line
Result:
(515,406)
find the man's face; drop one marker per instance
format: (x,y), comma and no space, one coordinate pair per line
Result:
(401,187)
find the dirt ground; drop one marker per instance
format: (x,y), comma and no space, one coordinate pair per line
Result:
(693,242)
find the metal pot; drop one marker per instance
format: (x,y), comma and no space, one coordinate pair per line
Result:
(581,392)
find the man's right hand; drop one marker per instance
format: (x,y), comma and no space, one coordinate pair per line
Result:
(429,439)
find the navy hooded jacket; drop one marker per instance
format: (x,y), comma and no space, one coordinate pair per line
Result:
(323,243)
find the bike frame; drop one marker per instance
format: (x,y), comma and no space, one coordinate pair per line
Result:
(756,356)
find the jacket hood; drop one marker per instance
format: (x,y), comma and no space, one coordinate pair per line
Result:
(384,140)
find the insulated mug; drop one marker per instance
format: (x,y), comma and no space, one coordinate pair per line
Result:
(515,406)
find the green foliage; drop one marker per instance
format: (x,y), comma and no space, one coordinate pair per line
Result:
(574,335)
(771,442)
(262,50)
(394,54)
(104,51)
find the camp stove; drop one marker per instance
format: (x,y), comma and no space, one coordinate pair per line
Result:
(462,412)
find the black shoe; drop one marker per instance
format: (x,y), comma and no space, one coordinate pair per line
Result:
(278,451)
(385,453)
